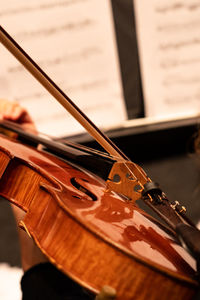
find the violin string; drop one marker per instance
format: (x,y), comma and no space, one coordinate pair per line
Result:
(58,94)
(34,133)
(18,128)
(61,97)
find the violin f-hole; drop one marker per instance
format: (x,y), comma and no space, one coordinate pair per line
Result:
(83,189)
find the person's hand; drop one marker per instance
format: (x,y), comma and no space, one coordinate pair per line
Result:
(30,253)
(12,111)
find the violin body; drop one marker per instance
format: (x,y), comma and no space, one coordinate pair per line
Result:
(86,226)
(92,234)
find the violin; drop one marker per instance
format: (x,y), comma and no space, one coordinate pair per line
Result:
(81,210)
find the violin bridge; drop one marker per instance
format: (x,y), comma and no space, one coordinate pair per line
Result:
(127,179)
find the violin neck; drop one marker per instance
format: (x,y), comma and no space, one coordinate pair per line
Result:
(94,161)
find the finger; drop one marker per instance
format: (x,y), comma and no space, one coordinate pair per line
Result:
(13,112)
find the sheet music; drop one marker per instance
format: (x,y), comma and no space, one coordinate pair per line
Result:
(74,43)
(169,49)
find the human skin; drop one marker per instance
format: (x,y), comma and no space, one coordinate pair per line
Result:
(30,253)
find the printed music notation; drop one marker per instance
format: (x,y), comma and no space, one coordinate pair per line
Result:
(23,7)
(169,49)
(73,41)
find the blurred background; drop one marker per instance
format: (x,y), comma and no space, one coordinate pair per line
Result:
(131,65)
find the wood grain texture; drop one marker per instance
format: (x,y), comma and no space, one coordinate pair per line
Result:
(94,263)
(97,243)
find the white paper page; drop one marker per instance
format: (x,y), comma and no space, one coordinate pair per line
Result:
(74,43)
(169,50)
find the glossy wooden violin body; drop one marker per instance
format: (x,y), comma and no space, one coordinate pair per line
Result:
(89,226)
(93,235)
